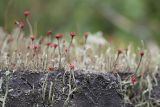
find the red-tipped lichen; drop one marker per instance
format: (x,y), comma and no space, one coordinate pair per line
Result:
(72,34)
(59,35)
(26,13)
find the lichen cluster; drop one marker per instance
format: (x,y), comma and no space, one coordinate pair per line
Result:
(88,52)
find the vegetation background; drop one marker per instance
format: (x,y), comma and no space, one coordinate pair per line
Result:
(126,20)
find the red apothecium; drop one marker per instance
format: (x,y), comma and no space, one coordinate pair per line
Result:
(59,35)
(26,13)
(49,33)
(72,34)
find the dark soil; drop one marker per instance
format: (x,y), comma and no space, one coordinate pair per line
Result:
(156,89)
(91,90)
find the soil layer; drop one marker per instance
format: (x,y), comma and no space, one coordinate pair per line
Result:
(26,89)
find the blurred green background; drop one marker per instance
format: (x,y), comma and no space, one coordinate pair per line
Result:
(129,20)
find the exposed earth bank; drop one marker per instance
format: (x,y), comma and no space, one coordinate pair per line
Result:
(61,89)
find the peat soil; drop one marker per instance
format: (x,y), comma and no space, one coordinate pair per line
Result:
(26,89)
